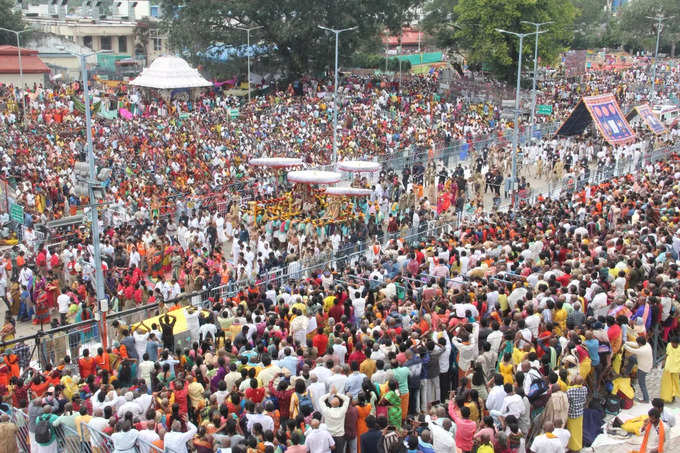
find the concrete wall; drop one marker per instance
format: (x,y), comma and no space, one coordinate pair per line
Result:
(29,79)
(77,32)
(71,65)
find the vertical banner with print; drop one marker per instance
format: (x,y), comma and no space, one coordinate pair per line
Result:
(650,119)
(609,119)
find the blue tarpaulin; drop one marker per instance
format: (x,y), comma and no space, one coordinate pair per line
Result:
(224,52)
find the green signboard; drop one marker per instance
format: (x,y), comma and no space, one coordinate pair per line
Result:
(16,212)
(233,113)
(543,109)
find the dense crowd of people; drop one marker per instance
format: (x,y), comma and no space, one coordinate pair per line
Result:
(494,332)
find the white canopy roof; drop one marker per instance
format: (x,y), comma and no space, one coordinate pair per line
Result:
(168,73)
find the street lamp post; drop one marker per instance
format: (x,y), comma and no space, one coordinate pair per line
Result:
(659,22)
(335,89)
(17,33)
(538,25)
(515,136)
(94,214)
(248,30)
(399,58)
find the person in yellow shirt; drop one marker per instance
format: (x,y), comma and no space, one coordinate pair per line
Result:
(560,317)
(506,369)
(196,397)
(328,303)
(670,379)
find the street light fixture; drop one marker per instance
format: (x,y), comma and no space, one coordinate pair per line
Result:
(335,90)
(248,30)
(659,18)
(515,136)
(91,183)
(17,33)
(538,25)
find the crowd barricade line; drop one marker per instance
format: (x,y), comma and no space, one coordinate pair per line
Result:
(68,440)
(20,419)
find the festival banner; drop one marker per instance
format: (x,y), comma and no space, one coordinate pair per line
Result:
(650,119)
(609,119)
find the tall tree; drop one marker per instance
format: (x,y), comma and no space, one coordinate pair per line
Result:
(290,25)
(478,20)
(439,20)
(11,19)
(639,32)
(590,24)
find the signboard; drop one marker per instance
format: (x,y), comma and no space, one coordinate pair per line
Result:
(609,119)
(233,113)
(544,109)
(650,119)
(16,213)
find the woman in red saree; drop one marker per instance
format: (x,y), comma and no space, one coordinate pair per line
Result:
(42,308)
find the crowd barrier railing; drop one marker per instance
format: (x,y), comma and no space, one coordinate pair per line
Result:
(20,419)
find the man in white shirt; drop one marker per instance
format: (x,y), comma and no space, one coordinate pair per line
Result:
(317,440)
(563,434)
(338,379)
(599,303)
(322,371)
(533,321)
(135,258)
(129,406)
(359,304)
(147,436)
(494,401)
(512,405)
(643,356)
(495,338)
(442,439)
(175,440)
(63,302)
(333,407)
(259,417)
(339,351)
(547,442)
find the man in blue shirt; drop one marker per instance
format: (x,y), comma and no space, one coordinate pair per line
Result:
(354,380)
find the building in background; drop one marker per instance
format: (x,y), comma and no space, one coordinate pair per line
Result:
(34,69)
(129,32)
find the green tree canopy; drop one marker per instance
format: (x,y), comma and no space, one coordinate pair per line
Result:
(290,25)
(438,21)
(590,24)
(639,33)
(478,20)
(10,19)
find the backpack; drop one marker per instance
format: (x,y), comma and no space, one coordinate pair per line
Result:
(43,431)
(538,387)
(305,401)
(613,405)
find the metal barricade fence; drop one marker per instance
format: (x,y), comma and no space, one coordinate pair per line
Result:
(20,419)
(85,439)
(98,441)
(455,154)
(68,440)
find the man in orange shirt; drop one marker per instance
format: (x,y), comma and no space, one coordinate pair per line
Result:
(102,360)
(87,365)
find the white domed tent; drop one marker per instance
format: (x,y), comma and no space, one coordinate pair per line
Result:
(170,73)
